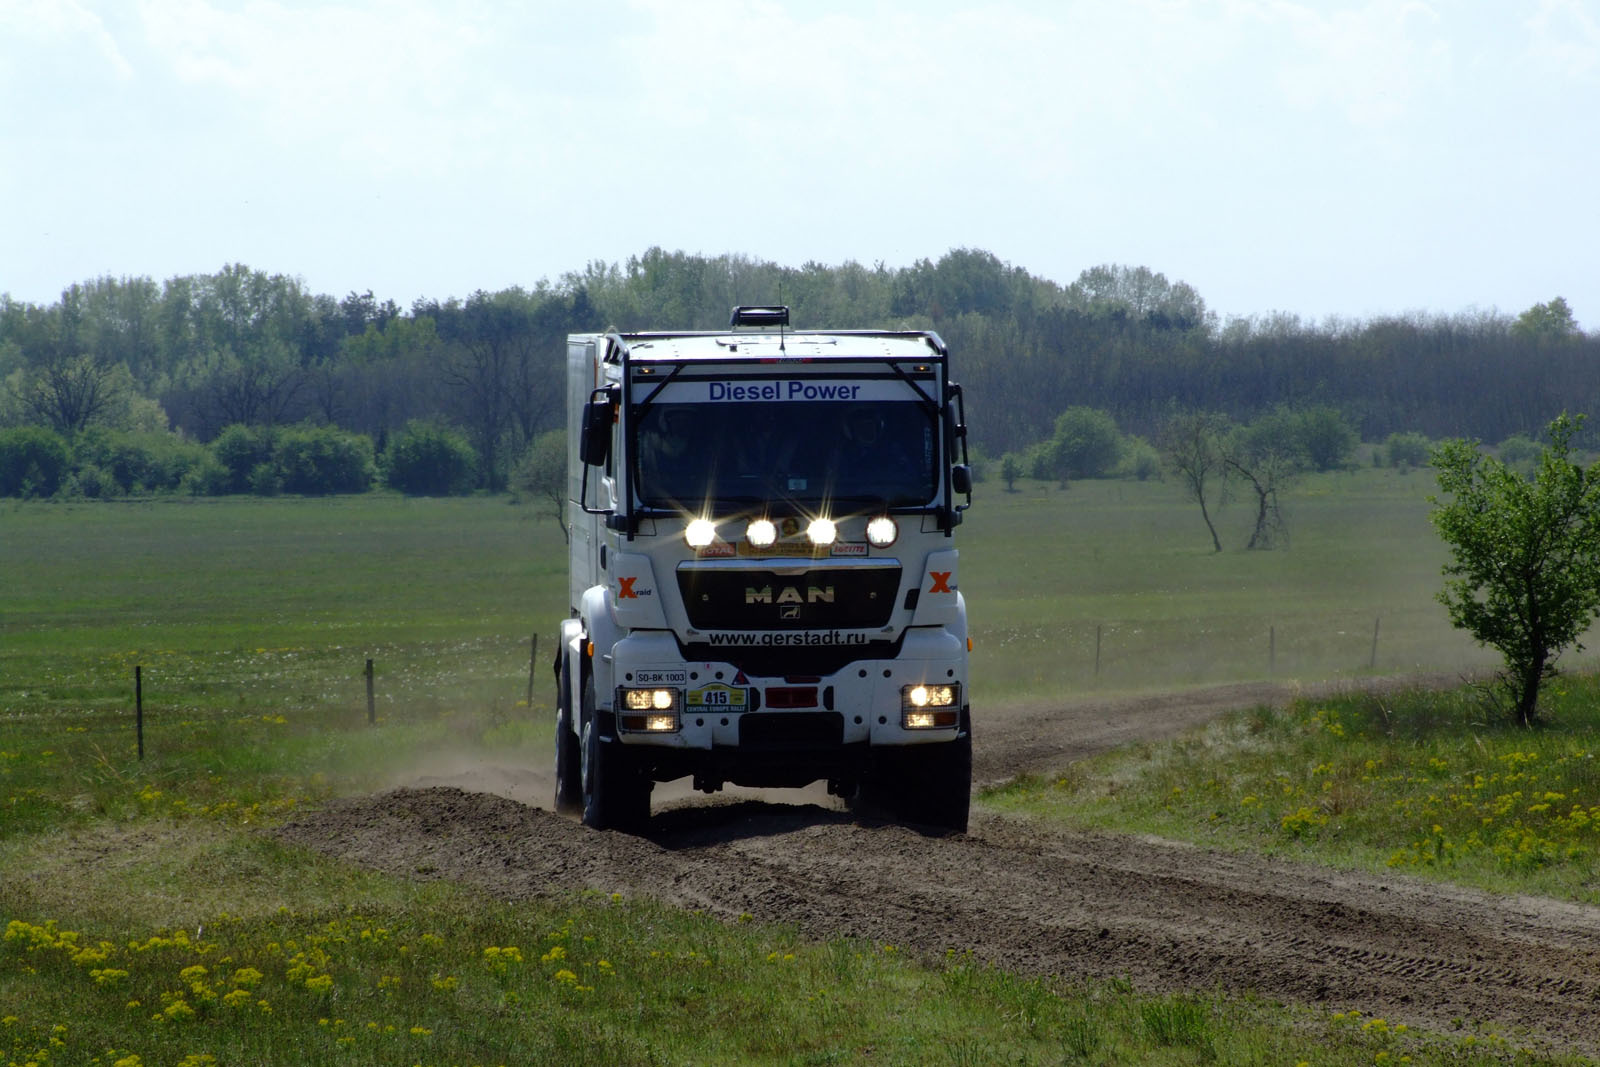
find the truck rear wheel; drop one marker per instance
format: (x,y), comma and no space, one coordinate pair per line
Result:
(569,761)
(615,795)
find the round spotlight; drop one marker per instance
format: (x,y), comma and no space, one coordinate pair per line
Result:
(700,533)
(822,532)
(661,699)
(761,533)
(920,696)
(882,531)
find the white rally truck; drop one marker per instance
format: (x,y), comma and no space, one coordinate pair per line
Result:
(763,585)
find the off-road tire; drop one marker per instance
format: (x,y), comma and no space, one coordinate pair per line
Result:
(569,760)
(921,785)
(615,795)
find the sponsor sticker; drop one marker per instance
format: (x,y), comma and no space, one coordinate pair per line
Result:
(718,696)
(845,548)
(783,548)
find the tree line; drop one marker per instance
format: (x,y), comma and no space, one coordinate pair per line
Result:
(132,361)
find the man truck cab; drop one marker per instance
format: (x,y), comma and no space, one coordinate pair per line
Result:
(764,589)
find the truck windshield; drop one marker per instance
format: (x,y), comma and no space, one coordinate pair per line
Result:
(872,452)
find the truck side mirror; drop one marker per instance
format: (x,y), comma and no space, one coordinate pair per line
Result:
(955,432)
(961,479)
(595,444)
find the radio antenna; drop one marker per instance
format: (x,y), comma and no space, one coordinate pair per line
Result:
(783,323)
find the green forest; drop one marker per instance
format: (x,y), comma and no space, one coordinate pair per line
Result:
(244,381)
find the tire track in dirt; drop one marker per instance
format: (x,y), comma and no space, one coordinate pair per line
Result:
(1034,899)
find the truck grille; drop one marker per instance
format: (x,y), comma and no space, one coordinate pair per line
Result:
(855,598)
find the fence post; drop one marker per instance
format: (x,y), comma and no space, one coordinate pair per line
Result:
(533,663)
(1373,663)
(138,707)
(1272,649)
(1097,651)
(372,706)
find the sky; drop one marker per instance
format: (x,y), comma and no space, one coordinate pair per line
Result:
(1331,160)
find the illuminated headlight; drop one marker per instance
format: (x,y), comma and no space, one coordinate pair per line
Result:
(822,531)
(882,531)
(929,707)
(761,533)
(649,699)
(700,533)
(652,711)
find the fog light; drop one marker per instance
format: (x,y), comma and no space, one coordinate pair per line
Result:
(660,723)
(822,531)
(882,531)
(761,533)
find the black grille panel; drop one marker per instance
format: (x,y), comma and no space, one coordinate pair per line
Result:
(855,598)
(771,731)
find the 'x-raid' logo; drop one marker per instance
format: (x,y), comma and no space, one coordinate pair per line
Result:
(941,581)
(625,589)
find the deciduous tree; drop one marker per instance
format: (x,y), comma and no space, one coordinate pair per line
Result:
(1193,446)
(1524,570)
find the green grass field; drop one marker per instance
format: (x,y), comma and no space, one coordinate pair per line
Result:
(147,923)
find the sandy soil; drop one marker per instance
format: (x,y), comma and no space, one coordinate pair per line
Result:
(1036,900)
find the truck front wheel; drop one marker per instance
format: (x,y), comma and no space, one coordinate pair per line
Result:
(927,785)
(615,795)
(569,761)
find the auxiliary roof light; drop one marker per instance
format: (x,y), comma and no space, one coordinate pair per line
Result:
(882,531)
(700,533)
(761,533)
(822,531)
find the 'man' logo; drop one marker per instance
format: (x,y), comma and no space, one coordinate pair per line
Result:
(789,594)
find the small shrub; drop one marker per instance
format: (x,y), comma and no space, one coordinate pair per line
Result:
(1407,450)
(241,449)
(1521,453)
(265,481)
(318,460)
(134,461)
(93,483)
(430,459)
(1326,439)
(33,461)
(207,478)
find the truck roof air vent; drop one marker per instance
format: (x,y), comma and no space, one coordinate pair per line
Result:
(765,317)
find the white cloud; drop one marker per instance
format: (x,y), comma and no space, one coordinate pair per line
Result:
(31,25)
(1369,62)
(1565,39)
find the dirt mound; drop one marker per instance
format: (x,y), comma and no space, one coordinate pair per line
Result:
(1032,899)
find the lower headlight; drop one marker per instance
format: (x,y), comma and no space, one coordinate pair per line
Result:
(930,707)
(653,711)
(929,696)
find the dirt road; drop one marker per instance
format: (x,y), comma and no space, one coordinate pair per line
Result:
(1035,900)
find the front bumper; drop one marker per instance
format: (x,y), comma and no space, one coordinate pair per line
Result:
(720,708)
